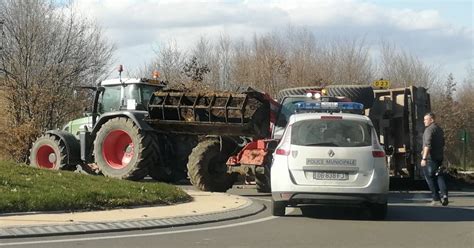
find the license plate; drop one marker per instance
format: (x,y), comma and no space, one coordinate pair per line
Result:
(330,175)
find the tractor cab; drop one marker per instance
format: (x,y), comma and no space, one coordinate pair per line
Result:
(112,95)
(126,94)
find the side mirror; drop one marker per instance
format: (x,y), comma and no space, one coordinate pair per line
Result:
(87,112)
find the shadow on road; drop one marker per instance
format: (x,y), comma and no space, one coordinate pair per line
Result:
(424,197)
(429,213)
(395,213)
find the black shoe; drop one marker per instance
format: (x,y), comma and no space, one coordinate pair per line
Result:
(444,201)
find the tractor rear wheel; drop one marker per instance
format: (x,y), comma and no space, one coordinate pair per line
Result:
(207,169)
(48,152)
(124,151)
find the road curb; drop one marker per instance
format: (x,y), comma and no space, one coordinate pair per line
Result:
(249,209)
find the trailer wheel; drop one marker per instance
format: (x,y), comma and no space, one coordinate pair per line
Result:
(124,151)
(207,170)
(48,152)
(262,180)
(357,93)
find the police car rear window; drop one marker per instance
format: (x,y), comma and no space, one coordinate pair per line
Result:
(331,132)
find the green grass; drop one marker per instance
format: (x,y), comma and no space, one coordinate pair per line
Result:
(23,188)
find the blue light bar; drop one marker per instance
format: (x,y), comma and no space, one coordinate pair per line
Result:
(329,106)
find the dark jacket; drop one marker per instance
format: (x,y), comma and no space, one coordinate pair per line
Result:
(433,138)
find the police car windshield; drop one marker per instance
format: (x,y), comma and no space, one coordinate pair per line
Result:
(336,133)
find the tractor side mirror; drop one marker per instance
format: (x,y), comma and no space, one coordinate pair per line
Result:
(87,112)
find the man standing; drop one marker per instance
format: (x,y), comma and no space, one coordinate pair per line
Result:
(432,158)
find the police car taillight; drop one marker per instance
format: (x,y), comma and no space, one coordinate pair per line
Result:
(378,154)
(378,151)
(285,143)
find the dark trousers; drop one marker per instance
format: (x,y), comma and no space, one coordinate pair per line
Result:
(435,180)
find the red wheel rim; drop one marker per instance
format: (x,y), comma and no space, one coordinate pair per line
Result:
(46,157)
(118,149)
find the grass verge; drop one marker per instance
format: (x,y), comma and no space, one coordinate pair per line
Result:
(23,188)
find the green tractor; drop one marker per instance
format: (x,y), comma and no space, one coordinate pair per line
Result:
(113,137)
(137,127)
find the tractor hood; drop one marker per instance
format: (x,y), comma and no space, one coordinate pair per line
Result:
(76,125)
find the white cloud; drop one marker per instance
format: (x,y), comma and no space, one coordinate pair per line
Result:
(136,25)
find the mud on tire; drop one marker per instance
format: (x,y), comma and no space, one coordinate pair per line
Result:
(124,151)
(206,166)
(357,93)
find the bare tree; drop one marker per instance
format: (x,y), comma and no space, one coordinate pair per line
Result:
(203,51)
(46,52)
(241,62)
(302,57)
(295,57)
(169,61)
(352,62)
(224,61)
(404,69)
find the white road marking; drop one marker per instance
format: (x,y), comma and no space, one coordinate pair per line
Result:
(260,199)
(143,234)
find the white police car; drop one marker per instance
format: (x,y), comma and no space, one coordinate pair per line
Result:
(329,157)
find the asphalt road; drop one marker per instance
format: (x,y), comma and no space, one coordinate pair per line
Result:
(411,223)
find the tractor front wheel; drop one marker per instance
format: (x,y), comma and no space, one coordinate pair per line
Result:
(48,152)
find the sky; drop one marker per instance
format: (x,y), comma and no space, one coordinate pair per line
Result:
(440,33)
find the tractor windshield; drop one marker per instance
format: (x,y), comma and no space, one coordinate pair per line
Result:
(111,98)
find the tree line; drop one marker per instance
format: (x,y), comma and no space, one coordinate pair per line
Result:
(48,49)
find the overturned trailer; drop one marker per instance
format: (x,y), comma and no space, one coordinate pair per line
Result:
(397,115)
